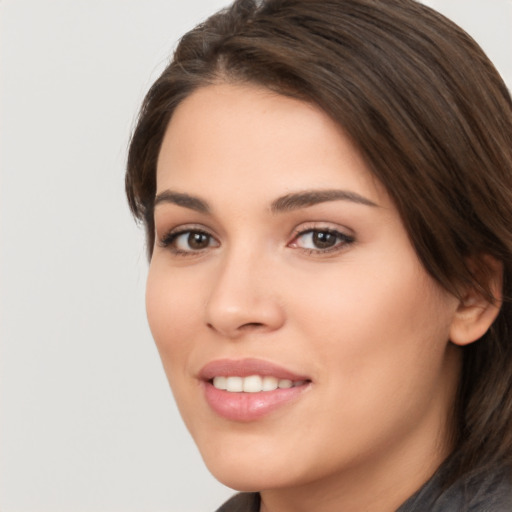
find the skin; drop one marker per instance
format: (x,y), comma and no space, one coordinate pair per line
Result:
(363,320)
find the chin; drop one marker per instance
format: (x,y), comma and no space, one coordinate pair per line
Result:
(242,481)
(251,479)
(250,466)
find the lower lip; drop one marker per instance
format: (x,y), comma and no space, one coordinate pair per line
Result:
(249,406)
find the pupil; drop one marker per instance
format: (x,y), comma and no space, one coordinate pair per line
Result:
(324,239)
(198,240)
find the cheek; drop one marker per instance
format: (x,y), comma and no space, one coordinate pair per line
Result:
(381,343)
(172,316)
(372,322)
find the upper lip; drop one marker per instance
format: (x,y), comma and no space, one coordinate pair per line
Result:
(245,368)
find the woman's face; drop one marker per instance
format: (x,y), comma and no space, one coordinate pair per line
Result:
(280,261)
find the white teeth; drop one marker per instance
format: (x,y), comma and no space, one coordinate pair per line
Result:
(234,384)
(219,382)
(269,384)
(285,383)
(253,383)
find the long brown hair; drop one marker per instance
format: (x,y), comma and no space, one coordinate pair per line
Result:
(431,116)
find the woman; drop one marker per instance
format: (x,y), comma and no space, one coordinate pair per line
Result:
(326,189)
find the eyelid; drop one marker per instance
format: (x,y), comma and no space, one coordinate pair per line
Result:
(322,226)
(346,236)
(170,235)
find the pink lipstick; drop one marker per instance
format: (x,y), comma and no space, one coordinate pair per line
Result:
(248,389)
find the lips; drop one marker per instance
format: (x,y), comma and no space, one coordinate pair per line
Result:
(253,383)
(247,367)
(246,390)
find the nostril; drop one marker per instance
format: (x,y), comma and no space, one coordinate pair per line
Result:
(244,327)
(251,325)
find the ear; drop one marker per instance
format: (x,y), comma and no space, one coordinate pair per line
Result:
(476,312)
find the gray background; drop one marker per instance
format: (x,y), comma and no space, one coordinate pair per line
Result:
(87,421)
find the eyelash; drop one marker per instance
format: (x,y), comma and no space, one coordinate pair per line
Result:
(342,240)
(170,239)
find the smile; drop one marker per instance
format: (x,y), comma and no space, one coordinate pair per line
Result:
(253,383)
(247,390)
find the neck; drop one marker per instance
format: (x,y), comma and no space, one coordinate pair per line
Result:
(381,488)
(380,481)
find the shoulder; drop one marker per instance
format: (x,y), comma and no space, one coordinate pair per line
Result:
(491,492)
(243,502)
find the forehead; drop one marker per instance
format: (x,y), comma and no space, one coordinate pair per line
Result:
(248,135)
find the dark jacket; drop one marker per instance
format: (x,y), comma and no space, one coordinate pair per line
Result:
(490,493)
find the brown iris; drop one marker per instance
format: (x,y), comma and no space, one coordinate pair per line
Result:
(324,239)
(198,241)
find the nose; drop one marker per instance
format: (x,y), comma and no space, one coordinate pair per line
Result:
(244,298)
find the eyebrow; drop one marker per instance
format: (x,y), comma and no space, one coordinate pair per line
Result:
(287,203)
(304,199)
(184,200)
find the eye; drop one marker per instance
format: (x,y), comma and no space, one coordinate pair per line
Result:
(188,241)
(321,240)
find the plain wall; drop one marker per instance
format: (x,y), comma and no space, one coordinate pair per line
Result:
(87,420)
